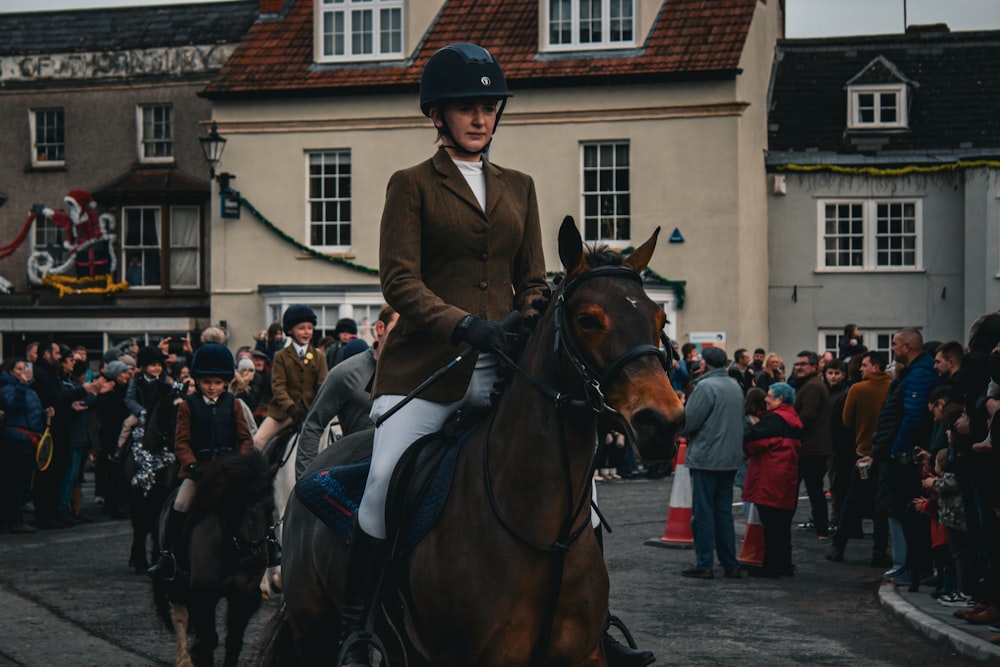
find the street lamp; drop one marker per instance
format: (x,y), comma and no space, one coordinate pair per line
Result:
(212,146)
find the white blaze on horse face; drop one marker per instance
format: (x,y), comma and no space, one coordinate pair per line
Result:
(634,302)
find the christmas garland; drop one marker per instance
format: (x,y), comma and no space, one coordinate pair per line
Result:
(677,286)
(891,171)
(103,284)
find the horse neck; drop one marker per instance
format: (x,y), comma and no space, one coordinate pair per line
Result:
(531,433)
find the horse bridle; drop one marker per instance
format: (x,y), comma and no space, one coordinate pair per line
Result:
(593,380)
(594,383)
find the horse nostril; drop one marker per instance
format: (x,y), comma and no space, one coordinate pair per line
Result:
(651,424)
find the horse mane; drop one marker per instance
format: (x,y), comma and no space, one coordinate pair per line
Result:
(231,484)
(599,254)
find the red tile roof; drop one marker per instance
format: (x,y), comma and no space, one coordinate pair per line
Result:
(691,38)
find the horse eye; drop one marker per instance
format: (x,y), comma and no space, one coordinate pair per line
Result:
(588,321)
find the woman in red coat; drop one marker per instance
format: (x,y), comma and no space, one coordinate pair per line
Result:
(772,480)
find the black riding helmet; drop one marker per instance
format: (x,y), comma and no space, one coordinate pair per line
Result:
(213,360)
(462,71)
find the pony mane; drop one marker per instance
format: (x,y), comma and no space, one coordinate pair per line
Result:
(231,484)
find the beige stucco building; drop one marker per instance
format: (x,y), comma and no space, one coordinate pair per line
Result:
(666,128)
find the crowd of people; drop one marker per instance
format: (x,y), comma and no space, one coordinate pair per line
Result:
(94,410)
(906,443)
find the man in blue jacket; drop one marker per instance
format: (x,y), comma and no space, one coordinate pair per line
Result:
(24,421)
(904,429)
(714,415)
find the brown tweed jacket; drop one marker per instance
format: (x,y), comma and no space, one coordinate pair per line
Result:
(442,257)
(294,381)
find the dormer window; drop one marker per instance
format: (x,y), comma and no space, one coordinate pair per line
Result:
(590,24)
(874,107)
(359,30)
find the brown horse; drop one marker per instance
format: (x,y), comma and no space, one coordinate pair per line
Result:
(511,574)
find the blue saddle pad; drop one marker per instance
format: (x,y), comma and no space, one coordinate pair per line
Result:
(334,494)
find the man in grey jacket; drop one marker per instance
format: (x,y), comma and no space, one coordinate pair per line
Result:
(714,415)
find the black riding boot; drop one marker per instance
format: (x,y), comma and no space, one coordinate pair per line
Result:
(364,566)
(165,566)
(616,653)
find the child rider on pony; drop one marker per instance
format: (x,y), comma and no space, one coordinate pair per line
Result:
(210,424)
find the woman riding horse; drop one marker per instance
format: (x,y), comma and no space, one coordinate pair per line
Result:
(471,250)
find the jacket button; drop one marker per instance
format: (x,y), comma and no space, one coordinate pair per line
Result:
(482,286)
(484,257)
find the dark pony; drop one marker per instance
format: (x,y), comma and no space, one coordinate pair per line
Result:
(512,572)
(227,554)
(151,474)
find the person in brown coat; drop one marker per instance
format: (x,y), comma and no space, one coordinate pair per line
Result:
(460,247)
(297,373)
(210,423)
(812,403)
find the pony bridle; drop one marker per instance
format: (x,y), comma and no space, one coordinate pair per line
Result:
(594,382)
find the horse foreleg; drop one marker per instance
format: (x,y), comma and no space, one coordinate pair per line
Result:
(239,610)
(179,616)
(206,638)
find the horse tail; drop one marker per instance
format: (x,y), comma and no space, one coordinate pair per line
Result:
(161,599)
(276,647)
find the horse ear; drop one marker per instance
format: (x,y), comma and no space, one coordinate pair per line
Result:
(639,259)
(570,246)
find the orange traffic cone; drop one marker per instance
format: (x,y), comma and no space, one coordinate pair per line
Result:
(677,531)
(752,552)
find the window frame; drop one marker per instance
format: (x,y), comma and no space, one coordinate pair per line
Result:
(33,125)
(350,8)
(337,201)
(869,338)
(164,223)
(606,43)
(171,248)
(869,219)
(142,140)
(897,90)
(616,218)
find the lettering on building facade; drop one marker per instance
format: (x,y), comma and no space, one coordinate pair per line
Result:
(162,61)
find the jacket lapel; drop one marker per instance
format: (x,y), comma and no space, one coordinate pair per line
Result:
(453,180)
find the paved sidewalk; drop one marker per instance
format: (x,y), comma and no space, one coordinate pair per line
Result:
(936,621)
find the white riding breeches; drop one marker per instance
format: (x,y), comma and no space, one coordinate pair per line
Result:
(416,419)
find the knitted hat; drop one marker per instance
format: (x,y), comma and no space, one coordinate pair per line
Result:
(297,313)
(128,360)
(149,355)
(111,354)
(354,347)
(114,369)
(714,356)
(244,365)
(346,325)
(213,360)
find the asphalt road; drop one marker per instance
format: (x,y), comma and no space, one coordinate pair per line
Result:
(68,598)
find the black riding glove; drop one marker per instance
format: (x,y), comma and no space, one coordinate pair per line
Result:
(483,335)
(195,471)
(297,413)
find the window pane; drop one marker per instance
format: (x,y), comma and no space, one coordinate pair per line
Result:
(184,246)
(329,198)
(141,246)
(157,131)
(606,194)
(50,136)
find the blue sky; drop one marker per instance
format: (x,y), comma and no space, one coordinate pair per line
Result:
(805,18)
